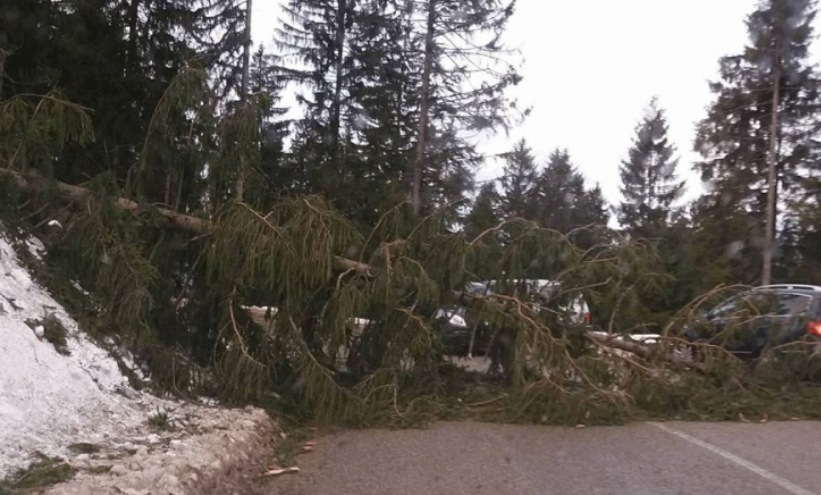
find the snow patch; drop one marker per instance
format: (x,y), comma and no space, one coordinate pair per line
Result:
(49,401)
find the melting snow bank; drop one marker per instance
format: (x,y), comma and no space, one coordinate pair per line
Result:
(209,451)
(51,403)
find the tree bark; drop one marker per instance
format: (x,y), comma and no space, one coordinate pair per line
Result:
(336,106)
(243,92)
(133,17)
(424,104)
(769,235)
(246,52)
(3,55)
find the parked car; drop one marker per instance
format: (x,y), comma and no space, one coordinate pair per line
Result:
(747,323)
(456,328)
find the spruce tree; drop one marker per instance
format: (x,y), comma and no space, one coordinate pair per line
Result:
(649,182)
(519,183)
(484,213)
(313,42)
(764,119)
(560,188)
(354,143)
(591,208)
(461,44)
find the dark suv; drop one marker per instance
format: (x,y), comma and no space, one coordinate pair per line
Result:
(772,315)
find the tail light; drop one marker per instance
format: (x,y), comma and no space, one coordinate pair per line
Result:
(587,320)
(814,328)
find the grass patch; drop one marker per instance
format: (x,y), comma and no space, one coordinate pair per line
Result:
(45,472)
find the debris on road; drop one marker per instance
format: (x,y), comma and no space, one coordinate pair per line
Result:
(281,471)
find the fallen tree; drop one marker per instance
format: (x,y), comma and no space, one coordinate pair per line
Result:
(321,273)
(188,223)
(199,226)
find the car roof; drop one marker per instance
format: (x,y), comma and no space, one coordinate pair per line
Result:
(797,288)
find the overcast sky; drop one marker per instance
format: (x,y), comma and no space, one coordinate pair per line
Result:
(591,66)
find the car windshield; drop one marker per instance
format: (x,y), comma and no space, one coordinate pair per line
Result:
(768,303)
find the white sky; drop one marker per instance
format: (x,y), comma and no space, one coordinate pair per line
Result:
(591,67)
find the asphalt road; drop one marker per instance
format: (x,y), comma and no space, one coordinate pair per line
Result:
(671,458)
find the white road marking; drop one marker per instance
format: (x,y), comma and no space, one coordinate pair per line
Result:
(778,480)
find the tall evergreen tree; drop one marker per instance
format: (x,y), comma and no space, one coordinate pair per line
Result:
(314,42)
(484,213)
(118,58)
(591,208)
(274,176)
(560,188)
(368,108)
(765,112)
(461,46)
(519,183)
(648,176)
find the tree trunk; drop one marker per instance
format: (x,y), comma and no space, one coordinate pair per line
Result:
(3,55)
(246,52)
(181,221)
(133,17)
(336,108)
(424,103)
(200,226)
(769,234)
(243,92)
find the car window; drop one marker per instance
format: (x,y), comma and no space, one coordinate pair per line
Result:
(729,306)
(765,303)
(793,304)
(477,288)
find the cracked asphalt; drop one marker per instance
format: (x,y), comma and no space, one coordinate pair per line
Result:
(468,458)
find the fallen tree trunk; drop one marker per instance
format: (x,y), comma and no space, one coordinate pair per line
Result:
(200,226)
(188,223)
(641,350)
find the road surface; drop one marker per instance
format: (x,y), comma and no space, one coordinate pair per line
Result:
(670,458)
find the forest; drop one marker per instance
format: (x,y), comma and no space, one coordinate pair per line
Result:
(146,143)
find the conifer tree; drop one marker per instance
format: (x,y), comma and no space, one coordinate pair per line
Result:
(484,213)
(313,41)
(560,188)
(759,137)
(464,73)
(649,182)
(519,183)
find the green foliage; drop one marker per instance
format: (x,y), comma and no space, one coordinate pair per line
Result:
(734,139)
(34,129)
(519,183)
(563,202)
(313,291)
